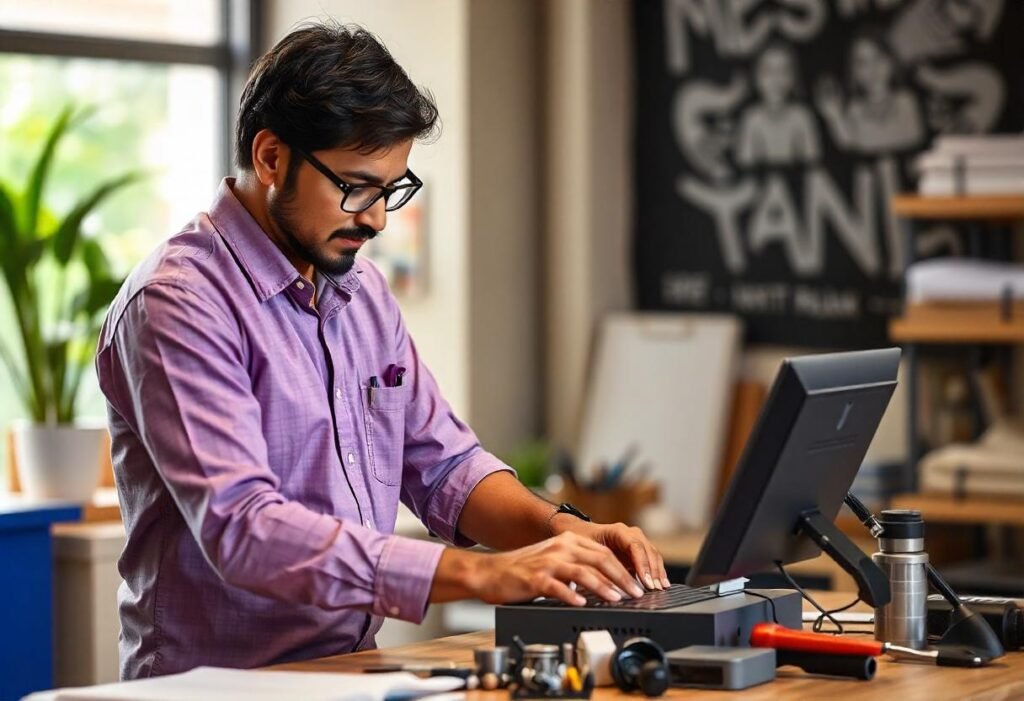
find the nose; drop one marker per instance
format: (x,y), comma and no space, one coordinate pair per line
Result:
(374,217)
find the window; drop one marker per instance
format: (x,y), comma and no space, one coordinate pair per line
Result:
(162,77)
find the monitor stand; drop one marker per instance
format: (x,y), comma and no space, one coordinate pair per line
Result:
(872,584)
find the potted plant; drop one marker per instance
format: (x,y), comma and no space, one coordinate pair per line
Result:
(59,284)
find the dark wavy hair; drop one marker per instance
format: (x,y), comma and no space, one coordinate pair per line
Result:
(328,85)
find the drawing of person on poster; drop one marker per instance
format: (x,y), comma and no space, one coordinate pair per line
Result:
(777,130)
(881,116)
(704,125)
(967,97)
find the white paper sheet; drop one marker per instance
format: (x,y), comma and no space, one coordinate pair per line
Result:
(217,684)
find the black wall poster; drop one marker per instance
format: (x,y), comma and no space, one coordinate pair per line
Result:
(770,135)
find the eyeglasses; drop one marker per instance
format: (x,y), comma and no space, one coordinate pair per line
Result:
(359,198)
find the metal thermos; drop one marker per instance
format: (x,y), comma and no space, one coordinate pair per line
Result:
(904,620)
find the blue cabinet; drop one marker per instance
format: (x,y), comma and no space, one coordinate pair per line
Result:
(26,593)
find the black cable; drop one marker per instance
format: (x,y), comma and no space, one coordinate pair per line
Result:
(810,599)
(863,513)
(771,602)
(820,620)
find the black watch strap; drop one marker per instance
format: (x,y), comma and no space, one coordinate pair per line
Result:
(567,508)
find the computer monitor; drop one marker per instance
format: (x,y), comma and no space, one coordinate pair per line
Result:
(796,469)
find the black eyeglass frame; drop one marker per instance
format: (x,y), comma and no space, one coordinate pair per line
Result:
(382,190)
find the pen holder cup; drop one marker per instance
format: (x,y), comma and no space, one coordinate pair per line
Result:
(620,504)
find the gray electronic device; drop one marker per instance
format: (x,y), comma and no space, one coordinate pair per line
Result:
(732,668)
(706,619)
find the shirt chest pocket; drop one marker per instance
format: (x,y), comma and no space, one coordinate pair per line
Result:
(385,431)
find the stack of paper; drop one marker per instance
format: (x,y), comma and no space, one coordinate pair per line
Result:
(964,280)
(973,165)
(213,683)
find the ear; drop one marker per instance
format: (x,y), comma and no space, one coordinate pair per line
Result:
(269,158)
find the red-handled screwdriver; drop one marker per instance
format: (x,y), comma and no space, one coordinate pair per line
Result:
(781,638)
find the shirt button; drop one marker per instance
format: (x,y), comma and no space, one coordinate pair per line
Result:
(337,392)
(394,611)
(351,458)
(368,524)
(300,285)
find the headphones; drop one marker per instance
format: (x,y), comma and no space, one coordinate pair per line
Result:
(640,664)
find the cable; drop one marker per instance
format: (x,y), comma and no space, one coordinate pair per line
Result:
(771,603)
(820,620)
(864,514)
(810,599)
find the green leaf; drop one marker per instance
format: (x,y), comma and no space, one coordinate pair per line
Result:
(8,225)
(95,260)
(97,297)
(37,179)
(67,234)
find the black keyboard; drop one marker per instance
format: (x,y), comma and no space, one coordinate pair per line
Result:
(675,595)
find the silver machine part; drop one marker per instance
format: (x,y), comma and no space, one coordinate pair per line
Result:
(901,545)
(492,660)
(904,620)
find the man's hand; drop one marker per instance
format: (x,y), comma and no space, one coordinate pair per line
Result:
(629,544)
(543,569)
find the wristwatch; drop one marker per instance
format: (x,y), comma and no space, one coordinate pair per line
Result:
(567,508)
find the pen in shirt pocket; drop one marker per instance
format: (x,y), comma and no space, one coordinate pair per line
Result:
(393,375)
(372,390)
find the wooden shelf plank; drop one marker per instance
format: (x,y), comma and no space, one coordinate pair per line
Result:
(980,322)
(994,207)
(943,508)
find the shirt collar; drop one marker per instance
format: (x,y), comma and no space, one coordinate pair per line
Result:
(267,268)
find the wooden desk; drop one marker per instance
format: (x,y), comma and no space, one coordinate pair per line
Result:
(899,681)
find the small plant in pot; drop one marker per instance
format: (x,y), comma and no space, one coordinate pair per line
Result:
(59,283)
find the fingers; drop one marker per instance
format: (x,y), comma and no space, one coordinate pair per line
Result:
(604,561)
(590,579)
(641,564)
(640,554)
(554,588)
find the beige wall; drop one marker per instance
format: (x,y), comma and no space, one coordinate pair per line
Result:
(505,220)
(586,244)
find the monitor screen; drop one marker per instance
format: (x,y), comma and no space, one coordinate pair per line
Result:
(803,454)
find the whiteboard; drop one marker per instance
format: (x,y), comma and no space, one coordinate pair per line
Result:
(663,383)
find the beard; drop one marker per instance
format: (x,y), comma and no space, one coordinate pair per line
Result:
(334,264)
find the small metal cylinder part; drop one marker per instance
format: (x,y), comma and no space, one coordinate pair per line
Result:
(491,660)
(904,620)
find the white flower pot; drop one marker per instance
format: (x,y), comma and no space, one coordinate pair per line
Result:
(58,461)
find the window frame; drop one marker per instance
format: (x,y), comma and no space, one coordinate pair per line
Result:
(231,57)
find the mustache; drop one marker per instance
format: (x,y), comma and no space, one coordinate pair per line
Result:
(357,233)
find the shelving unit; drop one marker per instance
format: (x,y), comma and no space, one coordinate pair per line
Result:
(962,324)
(958,324)
(965,323)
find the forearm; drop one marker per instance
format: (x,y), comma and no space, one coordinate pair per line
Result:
(502,514)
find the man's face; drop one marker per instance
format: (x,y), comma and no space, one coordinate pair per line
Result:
(307,207)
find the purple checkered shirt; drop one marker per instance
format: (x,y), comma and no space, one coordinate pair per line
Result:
(259,479)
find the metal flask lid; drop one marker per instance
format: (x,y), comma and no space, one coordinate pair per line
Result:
(903,531)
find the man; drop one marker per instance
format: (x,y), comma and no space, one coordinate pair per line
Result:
(269,410)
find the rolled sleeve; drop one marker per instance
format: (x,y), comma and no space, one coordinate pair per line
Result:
(405,574)
(447,501)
